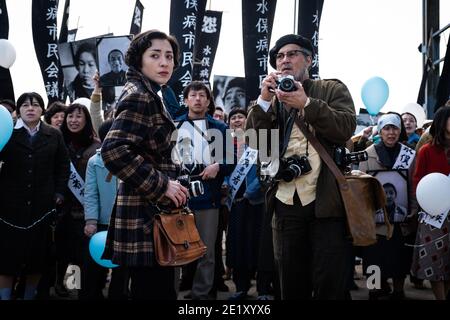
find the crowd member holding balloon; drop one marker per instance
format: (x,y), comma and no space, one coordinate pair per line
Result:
(81,143)
(392,256)
(99,196)
(308,214)
(138,150)
(33,178)
(431,258)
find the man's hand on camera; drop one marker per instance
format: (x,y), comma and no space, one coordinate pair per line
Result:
(210,171)
(177,193)
(268,86)
(294,99)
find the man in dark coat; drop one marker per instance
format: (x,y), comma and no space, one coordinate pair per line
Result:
(309,228)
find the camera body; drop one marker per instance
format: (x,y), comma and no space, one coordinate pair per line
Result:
(195,187)
(285,169)
(286,83)
(343,158)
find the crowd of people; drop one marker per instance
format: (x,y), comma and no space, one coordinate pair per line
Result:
(71,171)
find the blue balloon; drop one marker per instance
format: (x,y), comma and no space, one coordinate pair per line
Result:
(6,126)
(374,94)
(96,248)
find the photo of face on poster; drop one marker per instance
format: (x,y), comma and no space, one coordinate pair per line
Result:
(111,60)
(192,147)
(229,93)
(78,60)
(395,185)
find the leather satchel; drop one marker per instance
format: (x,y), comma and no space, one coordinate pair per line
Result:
(176,238)
(362,195)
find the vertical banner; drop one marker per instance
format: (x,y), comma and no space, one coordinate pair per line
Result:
(63,35)
(45,38)
(183,25)
(443,88)
(309,13)
(257,21)
(6,85)
(206,46)
(136,22)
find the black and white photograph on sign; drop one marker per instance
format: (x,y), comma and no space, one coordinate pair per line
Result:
(111,60)
(229,92)
(396,187)
(78,60)
(192,146)
(364,120)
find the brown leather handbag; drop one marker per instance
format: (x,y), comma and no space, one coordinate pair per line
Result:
(176,238)
(361,193)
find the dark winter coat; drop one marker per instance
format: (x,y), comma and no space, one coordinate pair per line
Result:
(31,175)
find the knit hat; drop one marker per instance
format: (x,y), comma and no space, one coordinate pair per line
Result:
(389,119)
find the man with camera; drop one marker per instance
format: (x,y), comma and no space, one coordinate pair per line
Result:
(311,243)
(207,202)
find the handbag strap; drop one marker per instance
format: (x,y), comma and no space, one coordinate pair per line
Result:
(322,153)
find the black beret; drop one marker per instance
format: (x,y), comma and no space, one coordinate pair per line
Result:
(287,39)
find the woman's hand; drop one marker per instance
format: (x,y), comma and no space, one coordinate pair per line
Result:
(177,193)
(90,229)
(97,87)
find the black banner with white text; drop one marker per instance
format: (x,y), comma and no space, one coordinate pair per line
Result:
(45,38)
(206,45)
(184,16)
(309,13)
(257,21)
(138,14)
(6,87)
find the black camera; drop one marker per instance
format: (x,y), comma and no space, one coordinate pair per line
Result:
(286,83)
(293,167)
(195,187)
(343,158)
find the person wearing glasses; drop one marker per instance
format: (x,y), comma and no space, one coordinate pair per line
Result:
(311,245)
(33,178)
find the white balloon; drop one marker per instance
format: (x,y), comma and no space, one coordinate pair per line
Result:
(8,54)
(85,102)
(433,193)
(417,110)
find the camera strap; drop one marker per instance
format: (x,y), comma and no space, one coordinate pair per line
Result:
(286,126)
(321,151)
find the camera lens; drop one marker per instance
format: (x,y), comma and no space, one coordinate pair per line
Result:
(287,85)
(291,172)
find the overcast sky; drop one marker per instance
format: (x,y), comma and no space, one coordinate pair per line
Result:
(359,39)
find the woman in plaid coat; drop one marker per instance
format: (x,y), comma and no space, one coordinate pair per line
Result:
(138,151)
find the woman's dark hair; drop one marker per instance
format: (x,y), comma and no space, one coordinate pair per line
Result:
(104,128)
(143,41)
(84,47)
(8,104)
(54,108)
(439,126)
(29,96)
(86,135)
(403,135)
